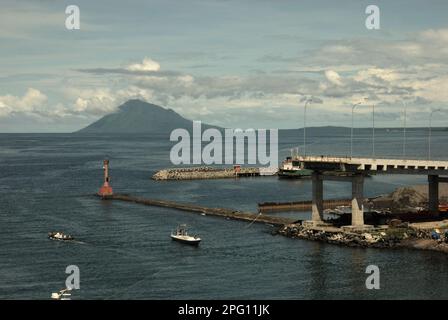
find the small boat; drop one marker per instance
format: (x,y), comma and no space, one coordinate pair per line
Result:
(293,168)
(181,235)
(59,236)
(63,294)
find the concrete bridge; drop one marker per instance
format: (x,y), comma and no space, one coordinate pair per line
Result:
(354,170)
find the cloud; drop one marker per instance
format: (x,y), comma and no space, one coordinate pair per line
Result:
(18,20)
(333,77)
(335,74)
(146,65)
(100,101)
(427,46)
(333,88)
(31,102)
(387,75)
(124,71)
(435,35)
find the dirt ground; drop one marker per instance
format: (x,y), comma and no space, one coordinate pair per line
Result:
(412,196)
(423,189)
(430,225)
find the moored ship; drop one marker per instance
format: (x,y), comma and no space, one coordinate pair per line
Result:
(293,168)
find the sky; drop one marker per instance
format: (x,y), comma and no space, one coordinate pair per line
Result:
(239,64)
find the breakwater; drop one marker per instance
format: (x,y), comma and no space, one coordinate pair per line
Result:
(402,236)
(207,173)
(301,205)
(219,212)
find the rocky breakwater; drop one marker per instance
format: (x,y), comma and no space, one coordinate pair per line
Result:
(353,239)
(203,173)
(397,236)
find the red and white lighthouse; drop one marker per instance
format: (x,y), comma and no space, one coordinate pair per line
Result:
(106,189)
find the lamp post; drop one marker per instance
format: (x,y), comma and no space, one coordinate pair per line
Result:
(429,132)
(373,130)
(304,125)
(404,128)
(351,130)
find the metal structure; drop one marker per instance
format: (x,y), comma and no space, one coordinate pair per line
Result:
(106,189)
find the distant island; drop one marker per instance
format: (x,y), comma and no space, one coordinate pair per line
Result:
(136,116)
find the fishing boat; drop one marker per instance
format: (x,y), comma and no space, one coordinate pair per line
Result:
(293,168)
(63,294)
(181,235)
(59,236)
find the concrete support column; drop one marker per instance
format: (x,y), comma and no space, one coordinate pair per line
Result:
(433,193)
(318,198)
(357,200)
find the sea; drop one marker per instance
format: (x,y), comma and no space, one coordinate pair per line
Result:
(124,251)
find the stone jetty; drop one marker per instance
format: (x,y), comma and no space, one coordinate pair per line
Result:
(205,173)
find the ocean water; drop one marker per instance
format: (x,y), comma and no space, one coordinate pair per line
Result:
(47,182)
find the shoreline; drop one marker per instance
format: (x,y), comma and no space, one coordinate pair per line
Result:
(379,238)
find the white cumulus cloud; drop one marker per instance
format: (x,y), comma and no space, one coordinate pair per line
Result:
(30,102)
(333,77)
(147,65)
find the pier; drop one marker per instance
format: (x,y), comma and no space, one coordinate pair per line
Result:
(217,212)
(355,170)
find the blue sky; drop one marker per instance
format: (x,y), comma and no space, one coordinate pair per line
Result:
(230,63)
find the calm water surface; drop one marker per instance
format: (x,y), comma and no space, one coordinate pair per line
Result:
(125,252)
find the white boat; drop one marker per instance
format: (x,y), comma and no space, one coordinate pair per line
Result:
(59,236)
(63,294)
(343,210)
(181,235)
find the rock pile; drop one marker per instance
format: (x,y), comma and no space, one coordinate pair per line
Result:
(406,197)
(377,239)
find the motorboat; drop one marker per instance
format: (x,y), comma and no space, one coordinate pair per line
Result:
(181,235)
(63,294)
(59,236)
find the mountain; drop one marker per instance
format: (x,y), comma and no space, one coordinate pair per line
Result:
(136,116)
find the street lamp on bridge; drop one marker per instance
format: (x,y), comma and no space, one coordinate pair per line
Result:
(351,130)
(308,100)
(404,128)
(429,132)
(373,130)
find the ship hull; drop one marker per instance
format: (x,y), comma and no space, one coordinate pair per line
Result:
(294,174)
(192,242)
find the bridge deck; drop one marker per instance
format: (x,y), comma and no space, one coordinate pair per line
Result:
(375,166)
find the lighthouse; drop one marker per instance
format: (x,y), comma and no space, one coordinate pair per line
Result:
(106,189)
